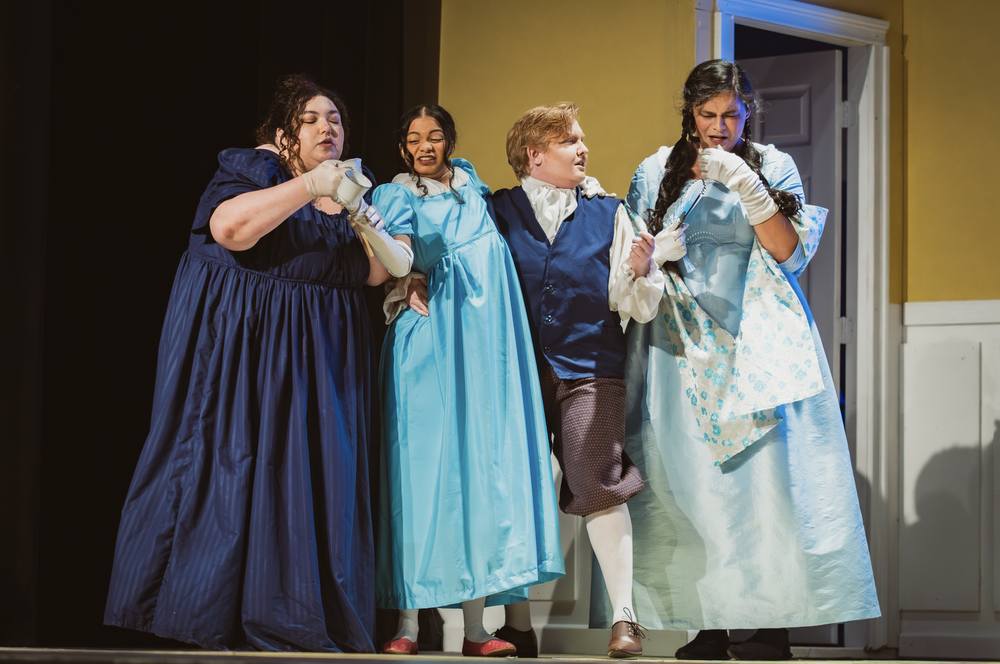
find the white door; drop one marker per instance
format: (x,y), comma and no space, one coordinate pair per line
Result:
(801,94)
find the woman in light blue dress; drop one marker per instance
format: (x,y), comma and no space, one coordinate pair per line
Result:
(468,506)
(750,519)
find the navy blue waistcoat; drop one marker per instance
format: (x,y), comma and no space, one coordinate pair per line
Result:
(565,284)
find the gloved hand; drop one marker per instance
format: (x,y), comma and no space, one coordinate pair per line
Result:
(590,187)
(671,245)
(394,254)
(324,179)
(730,169)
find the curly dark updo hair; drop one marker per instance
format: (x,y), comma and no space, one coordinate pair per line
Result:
(291,95)
(447,124)
(706,81)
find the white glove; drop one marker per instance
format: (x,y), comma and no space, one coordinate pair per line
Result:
(590,187)
(324,179)
(671,245)
(367,222)
(736,174)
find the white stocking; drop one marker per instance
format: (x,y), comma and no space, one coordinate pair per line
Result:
(408,628)
(518,616)
(472,611)
(610,534)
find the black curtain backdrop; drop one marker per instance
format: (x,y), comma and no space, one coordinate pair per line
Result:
(113,115)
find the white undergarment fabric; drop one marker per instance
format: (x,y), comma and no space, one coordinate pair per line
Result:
(610,533)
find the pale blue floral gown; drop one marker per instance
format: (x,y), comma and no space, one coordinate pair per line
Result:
(750,518)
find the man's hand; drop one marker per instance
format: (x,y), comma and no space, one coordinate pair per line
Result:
(642,250)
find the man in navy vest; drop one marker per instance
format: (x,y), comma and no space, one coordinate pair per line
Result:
(583,273)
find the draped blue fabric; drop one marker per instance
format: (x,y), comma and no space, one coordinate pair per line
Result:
(247,524)
(577,332)
(468,505)
(772,538)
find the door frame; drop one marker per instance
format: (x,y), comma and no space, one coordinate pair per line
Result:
(872,416)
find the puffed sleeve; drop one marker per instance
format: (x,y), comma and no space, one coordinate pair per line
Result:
(240,171)
(474,180)
(395,204)
(781,173)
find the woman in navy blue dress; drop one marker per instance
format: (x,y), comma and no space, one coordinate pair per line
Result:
(248,524)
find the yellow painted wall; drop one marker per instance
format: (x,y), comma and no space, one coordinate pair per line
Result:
(953,232)
(625,62)
(622,62)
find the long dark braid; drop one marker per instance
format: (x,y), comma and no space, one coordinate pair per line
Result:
(706,81)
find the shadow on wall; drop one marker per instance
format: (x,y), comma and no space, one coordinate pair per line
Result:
(940,552)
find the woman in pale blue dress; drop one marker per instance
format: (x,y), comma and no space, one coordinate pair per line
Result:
(751,517)
(468,507)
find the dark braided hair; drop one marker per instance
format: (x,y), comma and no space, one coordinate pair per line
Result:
(291,96)
(707,80)
(447,125)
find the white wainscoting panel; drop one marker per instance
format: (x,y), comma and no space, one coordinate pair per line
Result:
(939,536)
(949,539)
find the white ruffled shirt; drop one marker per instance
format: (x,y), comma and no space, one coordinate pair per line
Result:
(630,297)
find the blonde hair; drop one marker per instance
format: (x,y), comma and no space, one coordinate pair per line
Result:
(536,129)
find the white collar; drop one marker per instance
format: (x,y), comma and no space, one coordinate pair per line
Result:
(551,205)
(434,187)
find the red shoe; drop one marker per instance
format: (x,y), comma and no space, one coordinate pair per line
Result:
(399,647)
(492,648)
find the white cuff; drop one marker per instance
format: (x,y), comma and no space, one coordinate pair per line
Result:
(395,295)
(636,298)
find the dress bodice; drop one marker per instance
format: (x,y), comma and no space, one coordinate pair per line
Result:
(310,246)
(437,226)
(719,241)
(441,227)
(737,323)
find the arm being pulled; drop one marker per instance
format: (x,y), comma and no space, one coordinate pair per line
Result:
(635,284)
(395,254)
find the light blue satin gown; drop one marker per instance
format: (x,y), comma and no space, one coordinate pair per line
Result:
(468,506)
(774,536)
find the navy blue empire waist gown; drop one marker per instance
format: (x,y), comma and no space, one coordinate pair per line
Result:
(248,524)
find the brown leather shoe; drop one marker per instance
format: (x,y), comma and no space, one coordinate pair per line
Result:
(625,637)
